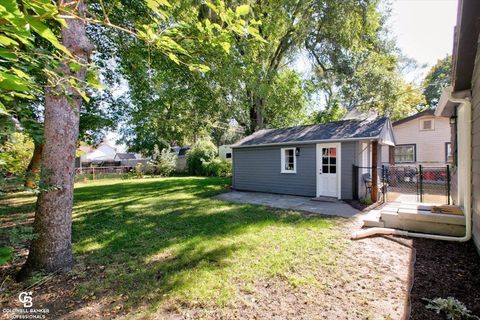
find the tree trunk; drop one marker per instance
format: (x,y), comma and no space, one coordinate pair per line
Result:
(33,168)
(52,249)
(256,114)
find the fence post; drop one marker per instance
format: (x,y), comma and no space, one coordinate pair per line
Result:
(420,182)
(448,184)
(384,185)
(355,182)
(374,192)
(93,173)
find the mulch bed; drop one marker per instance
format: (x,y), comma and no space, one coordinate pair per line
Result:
(445,269)
(364,207)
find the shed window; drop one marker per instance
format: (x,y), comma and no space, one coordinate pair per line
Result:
(289,161)
(405,153)
(228,155)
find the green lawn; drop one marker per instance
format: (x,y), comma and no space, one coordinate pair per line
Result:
(145,245)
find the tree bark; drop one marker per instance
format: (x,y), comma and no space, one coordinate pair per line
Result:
(51,251)
(33,168)
(256,114)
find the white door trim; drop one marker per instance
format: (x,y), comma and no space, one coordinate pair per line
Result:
(339,167)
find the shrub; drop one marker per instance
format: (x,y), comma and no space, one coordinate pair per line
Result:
(451,307)
(201,152)
(366,201)
(139,170)
(164,163)
(217,168)
(15,154)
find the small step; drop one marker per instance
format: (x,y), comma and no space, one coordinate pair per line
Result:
(373,219)
(373,223)
(325,199)
(419,218)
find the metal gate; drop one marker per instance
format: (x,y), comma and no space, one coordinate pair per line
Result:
(417,184)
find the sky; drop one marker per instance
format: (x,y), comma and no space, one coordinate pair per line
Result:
(424,28)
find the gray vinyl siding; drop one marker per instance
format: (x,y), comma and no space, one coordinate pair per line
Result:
(476,150)
(348,157)
(258,169)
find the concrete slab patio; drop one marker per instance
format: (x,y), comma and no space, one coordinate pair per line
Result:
(281,201)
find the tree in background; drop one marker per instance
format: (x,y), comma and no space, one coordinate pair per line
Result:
(252,81)
(15,153)
(358,66)
(165,103)
(437,78)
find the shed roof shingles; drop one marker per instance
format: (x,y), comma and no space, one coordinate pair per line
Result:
(337,130)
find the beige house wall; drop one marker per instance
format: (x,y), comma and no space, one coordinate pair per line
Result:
(476,150)
(430,144)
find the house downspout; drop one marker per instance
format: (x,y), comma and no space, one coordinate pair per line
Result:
(467,205)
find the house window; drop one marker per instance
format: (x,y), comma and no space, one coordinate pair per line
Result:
(427,124)
(228,155)
(405,153)
(448,152)
(289,161)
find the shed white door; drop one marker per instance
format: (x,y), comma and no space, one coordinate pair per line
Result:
(328,170)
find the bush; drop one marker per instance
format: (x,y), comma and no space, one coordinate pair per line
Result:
(217,168)
(139,170)
(201,152)
(366,201)
(164,163)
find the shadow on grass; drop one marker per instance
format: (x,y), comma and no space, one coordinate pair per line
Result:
(139,243)
(157,237)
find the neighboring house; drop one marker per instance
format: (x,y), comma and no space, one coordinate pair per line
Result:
(129,159)
(225,152)
(106,155)
(315,160)
(103,153)
(421,139)
(181,162)
(461,103)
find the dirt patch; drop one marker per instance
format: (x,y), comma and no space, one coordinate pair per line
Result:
(445,269)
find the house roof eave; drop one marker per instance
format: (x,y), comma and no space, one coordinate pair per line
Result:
(306,142)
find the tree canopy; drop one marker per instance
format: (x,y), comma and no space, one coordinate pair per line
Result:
(251,78)
(437,78)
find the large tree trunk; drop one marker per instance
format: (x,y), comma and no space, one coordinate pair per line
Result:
(256,114)
(52,249)
(33,168)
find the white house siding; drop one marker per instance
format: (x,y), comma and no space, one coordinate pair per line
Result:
(476,150)
(430,145)
(223,150)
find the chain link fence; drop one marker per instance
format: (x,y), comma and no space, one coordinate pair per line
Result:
(96,173)
(404,183)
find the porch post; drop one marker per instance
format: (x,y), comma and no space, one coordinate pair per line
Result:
(374,171)
(391,155)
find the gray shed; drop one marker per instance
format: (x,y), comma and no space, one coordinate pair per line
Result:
(314,160)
